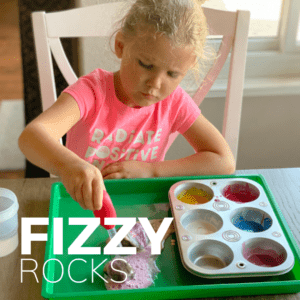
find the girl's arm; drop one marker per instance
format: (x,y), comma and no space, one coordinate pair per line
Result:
(40,144)
(213,155)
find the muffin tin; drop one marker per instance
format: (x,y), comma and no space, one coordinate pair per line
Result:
(227,228)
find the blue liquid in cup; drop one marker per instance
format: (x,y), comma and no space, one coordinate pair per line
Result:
(252,226)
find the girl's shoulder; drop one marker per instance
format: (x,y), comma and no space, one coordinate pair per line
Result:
(180,102)
(179,97)
(182,110)
(90,90)
(98,76)
(179,92)
(92,84)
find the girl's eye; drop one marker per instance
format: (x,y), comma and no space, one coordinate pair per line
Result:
(148,67)
(173,74)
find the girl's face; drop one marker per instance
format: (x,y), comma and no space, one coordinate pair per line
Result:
(151,69)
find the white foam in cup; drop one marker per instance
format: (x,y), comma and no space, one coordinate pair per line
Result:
(8,222)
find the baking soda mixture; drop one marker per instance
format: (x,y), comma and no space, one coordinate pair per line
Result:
(142,263)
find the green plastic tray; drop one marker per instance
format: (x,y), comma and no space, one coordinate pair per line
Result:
(140,198)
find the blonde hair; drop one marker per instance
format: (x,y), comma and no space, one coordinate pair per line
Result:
(182,21)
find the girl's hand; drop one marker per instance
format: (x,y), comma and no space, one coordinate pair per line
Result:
(128,169)
(84,183)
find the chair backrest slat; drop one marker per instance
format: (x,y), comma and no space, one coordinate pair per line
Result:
(95,20)
(210,78)
(44,60)
(62,60)
(234,95)
(91,21)
(214,71)
(220,22)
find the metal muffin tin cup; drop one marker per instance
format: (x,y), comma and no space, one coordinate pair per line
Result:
(227,228)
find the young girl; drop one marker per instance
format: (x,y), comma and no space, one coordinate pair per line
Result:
(118,124)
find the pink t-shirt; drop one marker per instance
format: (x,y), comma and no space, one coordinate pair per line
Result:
(110,131)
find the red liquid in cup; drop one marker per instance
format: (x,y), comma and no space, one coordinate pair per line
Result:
(241,193)
(266,260)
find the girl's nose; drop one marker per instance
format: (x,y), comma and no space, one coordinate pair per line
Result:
(155,81)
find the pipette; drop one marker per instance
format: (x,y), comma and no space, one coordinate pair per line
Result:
(107,211)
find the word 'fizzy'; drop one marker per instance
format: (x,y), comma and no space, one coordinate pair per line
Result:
(92,223)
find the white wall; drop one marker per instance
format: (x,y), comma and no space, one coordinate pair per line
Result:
(269,133)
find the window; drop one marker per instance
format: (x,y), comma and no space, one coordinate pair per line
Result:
(273,60)
(265,14)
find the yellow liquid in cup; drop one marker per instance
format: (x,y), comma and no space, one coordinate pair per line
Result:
(194,196)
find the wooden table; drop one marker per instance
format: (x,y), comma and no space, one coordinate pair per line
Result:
(34,194)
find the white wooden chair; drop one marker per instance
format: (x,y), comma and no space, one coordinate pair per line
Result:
(86,22)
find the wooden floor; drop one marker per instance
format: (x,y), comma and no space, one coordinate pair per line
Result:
(11,82)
